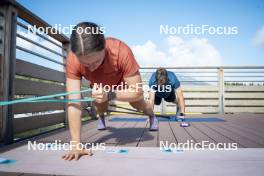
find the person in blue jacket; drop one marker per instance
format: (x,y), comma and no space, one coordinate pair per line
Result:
(165,85)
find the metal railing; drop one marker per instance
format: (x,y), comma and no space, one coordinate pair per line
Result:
(233,87)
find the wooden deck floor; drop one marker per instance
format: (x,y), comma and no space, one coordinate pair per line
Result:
(144,156)
(245,129)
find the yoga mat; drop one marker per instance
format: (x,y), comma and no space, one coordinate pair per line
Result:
(187,119)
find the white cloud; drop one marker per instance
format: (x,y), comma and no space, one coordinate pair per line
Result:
(193,52)
(259,38)
(148,55)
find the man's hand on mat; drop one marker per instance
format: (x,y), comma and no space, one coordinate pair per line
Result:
(76,154)
(99,94)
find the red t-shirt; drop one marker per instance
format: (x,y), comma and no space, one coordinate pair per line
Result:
(119,62)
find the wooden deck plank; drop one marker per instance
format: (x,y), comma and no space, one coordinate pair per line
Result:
(198,135)
(107,134)
(116,134)
(180,133)
(238,138)
(149,138)
(64,136)
(87,129)
(247,125)
(242,133)
(259,119)
(134,135)
(215,135)
(166,133)
(251,121)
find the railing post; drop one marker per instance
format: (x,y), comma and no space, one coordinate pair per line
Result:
(8,16)
(221,91)
(65,47)
(163,107)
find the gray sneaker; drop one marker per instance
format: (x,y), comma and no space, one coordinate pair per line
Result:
(153,123)
(101,123)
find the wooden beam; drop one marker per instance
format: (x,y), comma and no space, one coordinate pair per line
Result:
(28,69)
(28,87)
(35,122)
(37,107)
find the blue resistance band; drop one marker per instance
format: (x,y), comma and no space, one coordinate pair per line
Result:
(46,98)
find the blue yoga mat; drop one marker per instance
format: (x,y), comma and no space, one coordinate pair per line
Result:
(188,119)
(192,119)
(125,119)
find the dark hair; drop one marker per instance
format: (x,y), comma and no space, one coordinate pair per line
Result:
(161,76)
(86,38)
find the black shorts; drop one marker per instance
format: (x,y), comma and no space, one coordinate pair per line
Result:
(170,98)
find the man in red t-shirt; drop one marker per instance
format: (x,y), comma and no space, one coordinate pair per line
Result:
(106,62)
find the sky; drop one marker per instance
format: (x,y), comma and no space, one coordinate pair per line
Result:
(137,23)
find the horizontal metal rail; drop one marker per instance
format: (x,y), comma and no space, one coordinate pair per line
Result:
(42,36)
(39,45)
(39,55)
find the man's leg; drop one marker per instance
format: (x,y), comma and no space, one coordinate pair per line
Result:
(147,108)
(101,109)
(177,106)
(173,98)
(179,110)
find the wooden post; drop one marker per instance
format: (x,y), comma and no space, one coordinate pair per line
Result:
(221,84)
(8,17)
